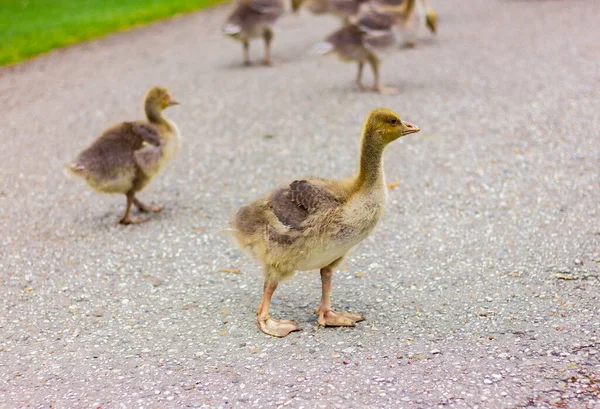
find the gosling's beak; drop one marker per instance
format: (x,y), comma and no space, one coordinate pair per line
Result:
(173,101)
(408,128)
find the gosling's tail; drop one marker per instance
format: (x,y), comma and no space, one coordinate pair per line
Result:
(76,169)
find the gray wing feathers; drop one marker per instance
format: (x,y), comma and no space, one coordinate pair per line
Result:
(247,13)
(116,149)
(147,132)
(380,40)
(345,7)
(311,197)
(371,30)
(348,36)
(294,204)
(377,29)
(148,159)
(374,21)
(270,8)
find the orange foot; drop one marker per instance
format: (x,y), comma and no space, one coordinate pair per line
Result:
(142,207)
(338,319)
(277,328)
(133,220)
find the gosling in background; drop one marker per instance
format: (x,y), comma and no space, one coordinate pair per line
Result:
(410,16)
(126,157)
(362,40)
(254,19)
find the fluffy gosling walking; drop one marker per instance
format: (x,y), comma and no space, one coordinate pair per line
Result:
(126,157)
(312,223)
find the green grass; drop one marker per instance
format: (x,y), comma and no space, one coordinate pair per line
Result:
(31,27)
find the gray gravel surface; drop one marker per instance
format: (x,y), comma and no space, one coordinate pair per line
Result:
(481,286)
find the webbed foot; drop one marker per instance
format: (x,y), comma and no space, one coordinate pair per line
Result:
(338,319)
(277,328)
(386,90)
(133,220)
(359,86)
(142,207)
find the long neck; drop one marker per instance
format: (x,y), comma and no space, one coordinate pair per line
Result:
(154,113)
(370,173)
(410,6)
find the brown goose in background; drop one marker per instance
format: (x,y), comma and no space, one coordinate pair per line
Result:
(254,19)
(360,41)
(410,15)
(126,157)
(312,223)
(344,9)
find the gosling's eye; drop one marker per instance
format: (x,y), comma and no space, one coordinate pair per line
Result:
(394,121)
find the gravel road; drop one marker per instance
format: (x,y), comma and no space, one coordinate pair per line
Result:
(481,286)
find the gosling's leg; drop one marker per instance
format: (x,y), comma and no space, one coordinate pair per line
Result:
(412,29)
(277,328)
(375,63)
(327,317)
(142,207)
(127,219)
(358,81)
(268,35)
(246,45)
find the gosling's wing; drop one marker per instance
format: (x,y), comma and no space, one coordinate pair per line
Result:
(148,159)
(110,152)
(147,156)
(372,20)
(377,29)
(147,132)
(312,197)
(345,7)
(268,8)
(248,13)
(388,2)
(346,41)
(293,204)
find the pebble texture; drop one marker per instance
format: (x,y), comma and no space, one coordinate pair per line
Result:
(481,286)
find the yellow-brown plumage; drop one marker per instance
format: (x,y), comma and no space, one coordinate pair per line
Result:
(254,19)
(410,15)
(312,223)
(126,157)
(343,9)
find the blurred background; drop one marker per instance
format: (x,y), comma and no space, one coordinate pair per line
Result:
(31,27)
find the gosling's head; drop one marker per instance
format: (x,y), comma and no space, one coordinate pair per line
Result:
(159,97)
(384,126)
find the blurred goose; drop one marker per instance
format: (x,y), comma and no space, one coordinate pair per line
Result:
(254,19)
(409,16)
(312,223)
(126,157)
(343,9)
(361,41)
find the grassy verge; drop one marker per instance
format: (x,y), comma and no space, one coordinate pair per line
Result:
(31,27)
